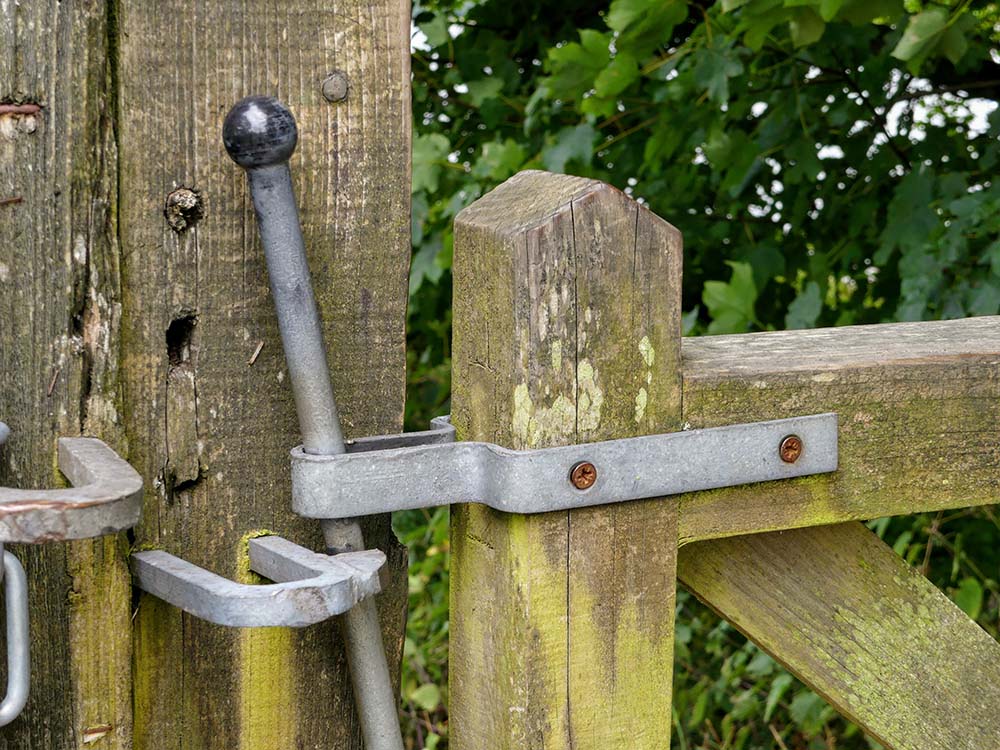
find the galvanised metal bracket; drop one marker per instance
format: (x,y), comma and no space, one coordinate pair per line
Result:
(418,470)
(311,587)
(106,497)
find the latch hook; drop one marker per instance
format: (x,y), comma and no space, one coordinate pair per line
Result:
(106,497)
(310,587)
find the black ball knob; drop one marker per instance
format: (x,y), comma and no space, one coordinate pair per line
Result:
(259,131)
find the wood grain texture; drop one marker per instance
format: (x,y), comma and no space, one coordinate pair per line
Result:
(918,404)
(209,432)
(60,305)
(567,329)
(843,612)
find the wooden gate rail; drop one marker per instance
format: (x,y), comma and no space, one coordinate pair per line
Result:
(567,299)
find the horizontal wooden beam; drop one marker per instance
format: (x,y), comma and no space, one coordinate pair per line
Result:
(919,408)
(843,612)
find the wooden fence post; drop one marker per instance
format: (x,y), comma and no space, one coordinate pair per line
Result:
(60,307)
(567,329)
(134,297)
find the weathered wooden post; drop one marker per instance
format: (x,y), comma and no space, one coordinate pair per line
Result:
(134,307)
(567,330)
(566,311)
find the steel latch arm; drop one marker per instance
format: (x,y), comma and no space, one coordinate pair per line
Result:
(376,476)
(311,587)
(106,497)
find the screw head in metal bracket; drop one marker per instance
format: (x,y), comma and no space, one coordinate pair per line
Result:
(335,86)
(790,449)
(583,475)
(259,131)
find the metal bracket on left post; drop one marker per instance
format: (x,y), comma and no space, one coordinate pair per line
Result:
(106,497)
(310,587)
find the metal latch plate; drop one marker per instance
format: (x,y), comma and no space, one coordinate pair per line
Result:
(536,481)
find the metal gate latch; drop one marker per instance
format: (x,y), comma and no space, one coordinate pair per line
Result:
(311,587)
(423,469)
(106,497)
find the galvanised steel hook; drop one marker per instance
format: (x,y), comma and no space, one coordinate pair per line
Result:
(260,135)
(106,497)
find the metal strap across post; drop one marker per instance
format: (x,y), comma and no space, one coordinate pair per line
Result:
(405,476)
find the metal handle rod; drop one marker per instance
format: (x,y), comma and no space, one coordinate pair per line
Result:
(18,648)
(260,135)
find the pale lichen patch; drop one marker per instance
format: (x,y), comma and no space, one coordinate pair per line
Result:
(640,405)
(536,425)
(591,397)
(647,351)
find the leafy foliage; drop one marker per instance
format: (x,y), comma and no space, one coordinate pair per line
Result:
(829,162)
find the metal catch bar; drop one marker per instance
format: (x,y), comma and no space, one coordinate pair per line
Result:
(311,587)
(106,497)
(370,480)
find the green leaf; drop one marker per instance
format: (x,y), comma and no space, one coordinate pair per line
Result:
(954,44)
(993,255)
(910,220)
(731,304)
(436,30)
(761,665)
(759,26)
(643,25)
(828,9)
(483,89)
(861,12)
(618,76)
(426,696)
(570,144)
(806,27)
(715,65)
(424,265)
(700,710)
(574,66)
(805,308)
(429,153)
(499,160)
(969,597)
(809,711)
(779,686)
(689,320)
(922,33)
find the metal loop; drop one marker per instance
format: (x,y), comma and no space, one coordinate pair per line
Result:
(15,592)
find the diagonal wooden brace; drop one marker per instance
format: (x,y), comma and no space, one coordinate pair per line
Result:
(862,628)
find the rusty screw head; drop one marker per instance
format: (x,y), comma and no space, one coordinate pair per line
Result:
(583,475)
(791,449)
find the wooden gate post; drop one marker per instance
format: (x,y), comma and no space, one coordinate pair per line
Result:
(567,329)
(134,307)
